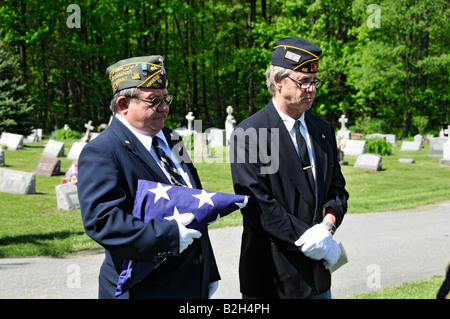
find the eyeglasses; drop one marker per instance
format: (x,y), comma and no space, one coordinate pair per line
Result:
(156,102)
(306,85)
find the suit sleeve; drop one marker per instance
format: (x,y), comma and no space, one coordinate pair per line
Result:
(336,195)
(106,193)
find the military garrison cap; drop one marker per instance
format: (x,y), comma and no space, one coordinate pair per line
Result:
(296,54)
(138,72)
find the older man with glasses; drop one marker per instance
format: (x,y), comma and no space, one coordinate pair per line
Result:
(287,243)
(130,149)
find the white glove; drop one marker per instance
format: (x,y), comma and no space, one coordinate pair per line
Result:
(187,235)
(212,287)
(332,255)
(315,242)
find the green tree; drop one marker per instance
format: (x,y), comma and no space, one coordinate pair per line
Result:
(15,112)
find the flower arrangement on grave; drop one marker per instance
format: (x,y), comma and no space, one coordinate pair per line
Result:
(71,174)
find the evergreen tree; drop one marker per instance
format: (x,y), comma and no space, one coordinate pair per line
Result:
(16,115)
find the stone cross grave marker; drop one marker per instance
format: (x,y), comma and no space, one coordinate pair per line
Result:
(343,133)
(87,135)
(190,119)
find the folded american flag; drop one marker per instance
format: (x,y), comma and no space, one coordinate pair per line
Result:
(162,202)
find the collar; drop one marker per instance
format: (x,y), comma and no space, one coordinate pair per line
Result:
(287,120)
(145,139)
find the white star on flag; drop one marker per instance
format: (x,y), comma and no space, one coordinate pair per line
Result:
(160,192)
(204,197)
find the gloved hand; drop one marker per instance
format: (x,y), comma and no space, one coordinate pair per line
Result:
(187,235)
(315,242)
(332,255)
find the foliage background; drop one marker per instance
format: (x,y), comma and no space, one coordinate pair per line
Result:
(387,62)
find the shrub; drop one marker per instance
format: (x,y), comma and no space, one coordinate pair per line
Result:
(63,134)
(378,145)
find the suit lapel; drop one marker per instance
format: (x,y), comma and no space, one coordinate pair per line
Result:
(318,139)
(289,155)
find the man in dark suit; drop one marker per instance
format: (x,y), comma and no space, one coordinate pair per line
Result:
(285,158)
(109,169)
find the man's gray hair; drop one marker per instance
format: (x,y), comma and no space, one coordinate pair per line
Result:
(275,74)
(130,93)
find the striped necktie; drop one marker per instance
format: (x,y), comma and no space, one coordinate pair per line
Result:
(166,162)
(304,155)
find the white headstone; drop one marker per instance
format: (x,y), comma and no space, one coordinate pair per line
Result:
(411,146)
(230,123)
(418,138)
(445,161)
(12,141)
(2,157)
(75,150)
(369,161)
(354,148)
(54,149)
(406,160)
(201,148)
(67,196)
(437,146)
(218,137)
(17,182)
(391,139)
(32,138)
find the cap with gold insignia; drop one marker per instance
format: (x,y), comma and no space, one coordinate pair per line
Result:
(138,72)
(296,54)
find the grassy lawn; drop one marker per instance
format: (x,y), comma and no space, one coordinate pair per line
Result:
(33,226)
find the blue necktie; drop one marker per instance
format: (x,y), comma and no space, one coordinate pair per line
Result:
(166,162)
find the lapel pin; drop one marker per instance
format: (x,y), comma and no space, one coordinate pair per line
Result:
(323,136)
(127,142)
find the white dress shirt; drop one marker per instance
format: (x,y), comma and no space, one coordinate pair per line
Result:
(146,140)
(289,123)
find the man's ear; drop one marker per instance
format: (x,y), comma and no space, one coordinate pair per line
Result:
(122,103)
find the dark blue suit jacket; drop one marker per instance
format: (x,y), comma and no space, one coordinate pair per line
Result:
(282,206)
(109,168)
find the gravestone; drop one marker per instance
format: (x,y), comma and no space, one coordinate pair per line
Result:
(201,148)
(2,157)
(408,146)
(374,135)
(369,161)
(391,139)
(354,148)
(48,166)
(12,141)
(218,137)
(418,138)
(67,196)
(437,146)
(17,182)
(32,138)
(445,161)
(75,150)
(343,133)
(406,160)
(54,149)
(230,123)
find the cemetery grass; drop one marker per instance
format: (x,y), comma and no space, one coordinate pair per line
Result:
(33,226)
